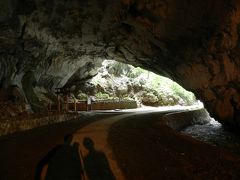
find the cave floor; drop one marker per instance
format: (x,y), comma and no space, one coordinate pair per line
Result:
(131,145)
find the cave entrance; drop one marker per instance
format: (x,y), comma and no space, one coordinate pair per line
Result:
(123,82)
(120,81)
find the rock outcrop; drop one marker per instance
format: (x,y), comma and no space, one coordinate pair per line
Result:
(58,42)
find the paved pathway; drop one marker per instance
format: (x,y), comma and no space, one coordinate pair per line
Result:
(98,133)
(21,152)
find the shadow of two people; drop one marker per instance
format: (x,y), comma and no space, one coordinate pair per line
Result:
(95,163)
(65,163)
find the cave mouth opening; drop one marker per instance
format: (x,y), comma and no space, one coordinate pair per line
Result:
(119,81)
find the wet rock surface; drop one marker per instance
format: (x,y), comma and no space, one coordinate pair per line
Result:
(215,134)
(195,43)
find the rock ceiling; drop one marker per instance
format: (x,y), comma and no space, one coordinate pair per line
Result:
(50,43)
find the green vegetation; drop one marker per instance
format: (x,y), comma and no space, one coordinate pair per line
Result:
(81,96)
(137,72)
(121,81)
(101,95)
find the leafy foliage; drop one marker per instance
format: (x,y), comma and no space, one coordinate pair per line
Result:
(82,96)
(118,80)
(101,95)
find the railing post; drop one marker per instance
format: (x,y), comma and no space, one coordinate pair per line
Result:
(75,105)
(66,103)
(58,104)
(50,106)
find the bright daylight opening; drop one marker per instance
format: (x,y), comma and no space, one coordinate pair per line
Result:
(119,81)
(139,88)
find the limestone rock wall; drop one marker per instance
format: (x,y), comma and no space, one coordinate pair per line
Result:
(194,42)
(180,120)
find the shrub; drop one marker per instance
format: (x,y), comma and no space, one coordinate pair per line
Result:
(187,96)
(82,96)
(101,95)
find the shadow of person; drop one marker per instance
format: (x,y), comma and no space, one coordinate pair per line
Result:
(63,162)
(95,163)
